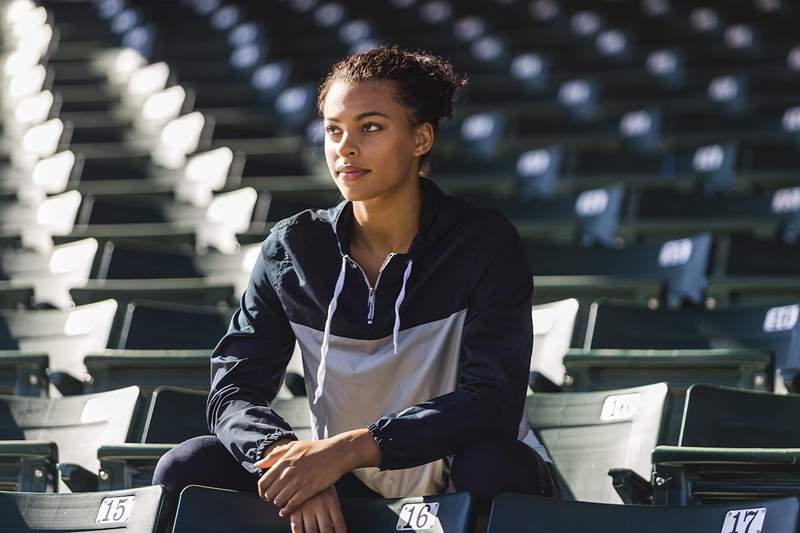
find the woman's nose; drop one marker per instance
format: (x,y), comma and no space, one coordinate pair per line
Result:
(346,146)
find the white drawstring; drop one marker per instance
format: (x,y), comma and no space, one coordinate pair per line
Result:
(326,336)
(398,303)
(332,309)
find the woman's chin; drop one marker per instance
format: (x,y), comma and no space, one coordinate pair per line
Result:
(355,190)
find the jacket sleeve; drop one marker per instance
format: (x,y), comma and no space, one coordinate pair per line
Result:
(247,370)
(496,345)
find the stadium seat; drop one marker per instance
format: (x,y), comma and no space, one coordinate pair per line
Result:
(738,213)
(175,415)
(734,445)
(145,261)
(750,257)
(680,265)
(595,370)
(589,433)
(213,223)
(147,369)
(135,511)
(36,225)
(725,417)
(755,270)
(162,326)
(65,335)
(39,433)
(592,216)
(200,511)
(286,204)
(207,173)
(518,513)
(538,170)
(480,135)
(765,327)
(197,291)
(587,289)
(553,326)
(54,273)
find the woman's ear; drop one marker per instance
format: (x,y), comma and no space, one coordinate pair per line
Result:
(423,139)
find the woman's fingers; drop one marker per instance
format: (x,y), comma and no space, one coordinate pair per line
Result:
(323,517)
(296,522)
(310,520)
(296,499)
(284,496)
(262,488)
(320,514)
(269,489)
(272,457)
(337,518)
(273,481)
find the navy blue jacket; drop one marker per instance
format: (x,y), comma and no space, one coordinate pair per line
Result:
(467,263)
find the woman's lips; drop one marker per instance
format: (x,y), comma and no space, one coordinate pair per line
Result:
(352,175)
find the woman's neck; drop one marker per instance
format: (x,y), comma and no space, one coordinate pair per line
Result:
(388,223)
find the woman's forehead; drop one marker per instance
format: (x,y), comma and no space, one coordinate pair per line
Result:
(346,101)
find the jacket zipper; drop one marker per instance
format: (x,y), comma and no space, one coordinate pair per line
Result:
(372,290)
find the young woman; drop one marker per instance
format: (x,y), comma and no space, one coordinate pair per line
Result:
(412,310)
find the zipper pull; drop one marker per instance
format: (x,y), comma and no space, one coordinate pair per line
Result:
(371,301)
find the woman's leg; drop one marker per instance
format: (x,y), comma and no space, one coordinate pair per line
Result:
(205,461)
(202,461)
(487,468)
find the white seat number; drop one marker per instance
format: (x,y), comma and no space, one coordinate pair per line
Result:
(418,516)
(115,510)
(744,521)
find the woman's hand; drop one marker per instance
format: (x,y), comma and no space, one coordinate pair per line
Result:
(299,470)
(319,514)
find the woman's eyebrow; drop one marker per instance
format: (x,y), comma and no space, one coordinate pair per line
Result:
(361,116)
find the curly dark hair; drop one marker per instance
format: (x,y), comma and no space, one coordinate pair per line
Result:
(425,83)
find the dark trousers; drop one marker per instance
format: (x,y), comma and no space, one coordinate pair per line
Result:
(484,469)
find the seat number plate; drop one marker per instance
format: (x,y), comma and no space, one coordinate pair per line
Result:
(418,516)
(115,510)
(744,521)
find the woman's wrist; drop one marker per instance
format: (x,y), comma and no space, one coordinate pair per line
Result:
(359,449)
(279,442)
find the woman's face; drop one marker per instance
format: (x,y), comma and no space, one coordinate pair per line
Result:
(371,148)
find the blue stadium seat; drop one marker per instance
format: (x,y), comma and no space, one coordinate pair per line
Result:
(734,444)
(771,328)
(517,513)
(150,325)
(199,511)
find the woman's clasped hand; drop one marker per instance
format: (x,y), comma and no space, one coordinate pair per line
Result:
(299,470)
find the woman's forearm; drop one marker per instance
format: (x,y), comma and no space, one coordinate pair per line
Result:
(359,449)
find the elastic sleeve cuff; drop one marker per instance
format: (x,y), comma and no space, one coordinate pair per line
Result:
(271,439)
(382,442)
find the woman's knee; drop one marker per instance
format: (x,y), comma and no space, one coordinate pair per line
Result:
(487,468)
(188,462)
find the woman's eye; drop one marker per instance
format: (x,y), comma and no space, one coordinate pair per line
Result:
(330,130)
(371,127)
